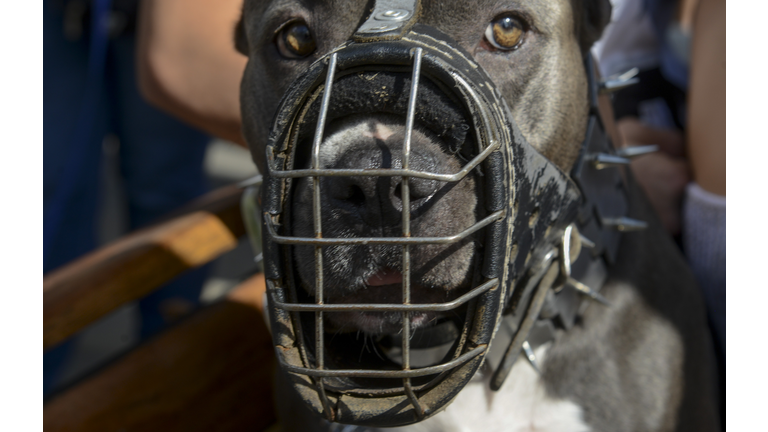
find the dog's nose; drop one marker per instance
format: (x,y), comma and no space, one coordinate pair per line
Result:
(378,201)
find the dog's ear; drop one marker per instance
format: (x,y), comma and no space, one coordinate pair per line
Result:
(595,15)
(241,40)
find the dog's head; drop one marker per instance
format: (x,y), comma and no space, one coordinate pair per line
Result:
(534,54)
(533,51)
(541,74)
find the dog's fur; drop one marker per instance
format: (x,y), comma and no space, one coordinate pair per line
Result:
(642,364)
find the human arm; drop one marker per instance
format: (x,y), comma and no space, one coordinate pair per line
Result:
(706,98)
(187,64)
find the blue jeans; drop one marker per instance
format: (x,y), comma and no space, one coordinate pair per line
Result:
(161,160)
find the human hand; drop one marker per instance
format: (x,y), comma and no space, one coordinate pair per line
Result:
(662,175)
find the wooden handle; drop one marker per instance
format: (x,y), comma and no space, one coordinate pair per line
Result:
(211,372)
(134,266)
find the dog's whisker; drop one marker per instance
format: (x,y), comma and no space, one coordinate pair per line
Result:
(373,344)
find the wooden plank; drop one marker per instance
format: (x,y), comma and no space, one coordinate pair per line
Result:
(211,372)
(132,267)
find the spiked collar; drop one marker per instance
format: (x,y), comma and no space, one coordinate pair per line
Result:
(555,295)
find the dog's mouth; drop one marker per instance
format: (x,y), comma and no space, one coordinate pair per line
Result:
(386,287)
(385,277)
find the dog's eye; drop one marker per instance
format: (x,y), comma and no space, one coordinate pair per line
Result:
(295,40)
(505,33)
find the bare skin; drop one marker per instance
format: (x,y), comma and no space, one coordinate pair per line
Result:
(188,65)
(706,98)
(700,154)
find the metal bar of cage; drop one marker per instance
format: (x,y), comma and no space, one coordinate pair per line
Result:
(318,373)
(389,172)
(406,214)
(389,307)
(411,373)
(316,215)
(286,240)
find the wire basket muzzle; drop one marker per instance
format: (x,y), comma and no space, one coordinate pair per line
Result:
(371,392)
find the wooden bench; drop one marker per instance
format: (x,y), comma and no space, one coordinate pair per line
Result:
(211,371)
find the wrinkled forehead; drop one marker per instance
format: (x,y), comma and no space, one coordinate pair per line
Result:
(460,19)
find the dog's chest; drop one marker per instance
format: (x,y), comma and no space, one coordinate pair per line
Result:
(521,405)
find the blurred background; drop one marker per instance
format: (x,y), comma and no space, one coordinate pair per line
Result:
(116,161)
(224,163)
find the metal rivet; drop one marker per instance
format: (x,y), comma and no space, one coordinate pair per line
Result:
(392,15)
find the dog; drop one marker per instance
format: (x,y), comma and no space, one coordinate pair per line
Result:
(642,364)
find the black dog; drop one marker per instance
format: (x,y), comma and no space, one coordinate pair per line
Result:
(643,364)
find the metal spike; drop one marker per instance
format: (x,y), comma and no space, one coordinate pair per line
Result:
(255,180)
(635,151)
(529,354)
(625,224)
(586,242)
(594,295)
(628,78)
(629,74)
(604,160)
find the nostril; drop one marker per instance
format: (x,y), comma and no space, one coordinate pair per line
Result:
(399,191)
(355,195)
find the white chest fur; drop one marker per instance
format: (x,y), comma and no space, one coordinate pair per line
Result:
(521,405)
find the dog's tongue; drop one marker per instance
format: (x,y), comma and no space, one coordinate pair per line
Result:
(385,277)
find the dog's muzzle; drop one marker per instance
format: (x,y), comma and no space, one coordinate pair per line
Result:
(524,206)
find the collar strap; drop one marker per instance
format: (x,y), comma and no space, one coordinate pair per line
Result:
(574,268)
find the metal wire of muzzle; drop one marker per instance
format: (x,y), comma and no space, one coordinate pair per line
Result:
(318,371)
(524,202)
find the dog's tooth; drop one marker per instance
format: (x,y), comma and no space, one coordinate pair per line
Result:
(580,287)
(531,356)
(624,224)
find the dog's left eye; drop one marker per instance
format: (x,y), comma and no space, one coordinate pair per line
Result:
(505,33)
(295,40)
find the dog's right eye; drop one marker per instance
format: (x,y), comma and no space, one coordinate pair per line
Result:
(505,33)
(295,40)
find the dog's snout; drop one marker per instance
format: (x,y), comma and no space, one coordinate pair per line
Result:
(419,189)
(378,201)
